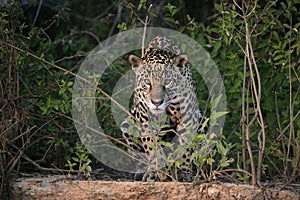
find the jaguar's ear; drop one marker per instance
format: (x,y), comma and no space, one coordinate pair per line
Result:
(135,61)
(181,60)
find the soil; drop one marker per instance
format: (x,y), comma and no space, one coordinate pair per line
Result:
(60,187)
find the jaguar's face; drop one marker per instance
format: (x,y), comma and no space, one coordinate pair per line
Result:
(155,86)
(157,81)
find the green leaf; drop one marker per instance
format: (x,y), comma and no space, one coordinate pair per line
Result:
(216,48)
(210,161)
(221,149)
(217,115)
(181,29)
(141,4)
(75,159)
(62,90)
(283,5)
(130,5)
(69,84)
(224,162)
(215,102)
(200,137)
(48,102)
(218,7)
(230,73)
(88,168)
(165,144)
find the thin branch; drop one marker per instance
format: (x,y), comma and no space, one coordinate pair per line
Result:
(243,120)
(37,13)
(292,131)
(254,181)
(144,35)
(235,170)
(87,33)
(288,126)
(117,19)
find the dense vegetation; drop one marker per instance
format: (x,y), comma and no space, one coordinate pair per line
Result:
(255,44)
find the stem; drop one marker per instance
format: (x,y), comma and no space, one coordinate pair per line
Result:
(242,122)
(144,35)
(257,95)
(292,133)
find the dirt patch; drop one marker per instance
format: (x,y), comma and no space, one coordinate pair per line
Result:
(60,187)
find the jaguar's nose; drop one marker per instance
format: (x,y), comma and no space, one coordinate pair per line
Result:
(157,102)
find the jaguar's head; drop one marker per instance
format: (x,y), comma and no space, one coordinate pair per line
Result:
(157,80)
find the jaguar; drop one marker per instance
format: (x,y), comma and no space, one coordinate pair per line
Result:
(165,105)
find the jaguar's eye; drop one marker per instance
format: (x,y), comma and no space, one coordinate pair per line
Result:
(147,81)
(168,82)
(146,84)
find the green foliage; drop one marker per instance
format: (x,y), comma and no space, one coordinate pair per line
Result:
(35,96)
(81,160)
(173,10)
(274,37)
(63,103)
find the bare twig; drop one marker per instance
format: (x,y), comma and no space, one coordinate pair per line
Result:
(144,35)
(87,33)
(77,55)
(250,124)
(117,19)
(235,170)
(37,13)
(288,126)
(243,120)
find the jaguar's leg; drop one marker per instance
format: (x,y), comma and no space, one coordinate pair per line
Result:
(135,147)
(154,157)
(146,146)
(185,173)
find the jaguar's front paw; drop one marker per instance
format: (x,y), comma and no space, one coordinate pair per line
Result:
(149,176)
(185,176)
